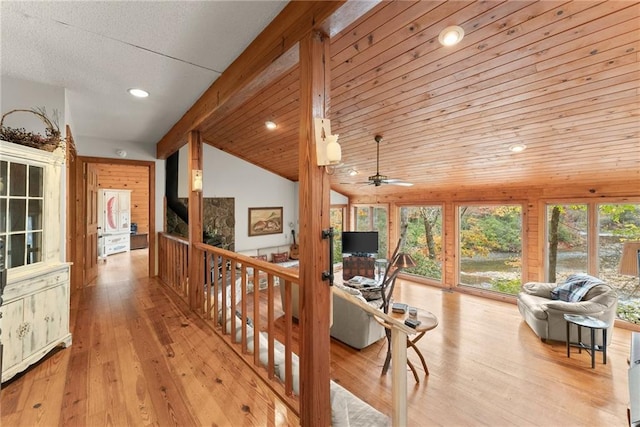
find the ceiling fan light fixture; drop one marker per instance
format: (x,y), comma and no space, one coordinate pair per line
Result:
(517,148)
(451,36)
(137,92)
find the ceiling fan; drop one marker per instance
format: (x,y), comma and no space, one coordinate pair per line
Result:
(378,179)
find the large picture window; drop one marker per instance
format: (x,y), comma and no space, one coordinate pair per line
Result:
(570,235)
(490,247)
(567,241)
(423,239)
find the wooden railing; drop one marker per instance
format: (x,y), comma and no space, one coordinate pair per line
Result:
(173,263)
(240,303)
(241,299)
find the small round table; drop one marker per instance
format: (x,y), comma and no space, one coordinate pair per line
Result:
(428,321)
(592,323)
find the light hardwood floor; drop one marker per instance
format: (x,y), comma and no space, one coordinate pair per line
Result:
(139,358)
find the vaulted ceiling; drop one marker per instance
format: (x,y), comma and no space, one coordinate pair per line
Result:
(560,77)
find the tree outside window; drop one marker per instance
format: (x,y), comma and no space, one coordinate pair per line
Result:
(491,247)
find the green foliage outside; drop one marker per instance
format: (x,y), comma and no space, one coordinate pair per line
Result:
(629,311)
(425,267)
(506,286)
(491,229)
(423,239)
(372,218)
(335,221)
(491,247)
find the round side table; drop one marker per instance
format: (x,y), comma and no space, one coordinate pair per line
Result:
(592,324)
(428,321)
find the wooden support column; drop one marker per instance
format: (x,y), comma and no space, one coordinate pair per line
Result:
(196,263)
(315,405)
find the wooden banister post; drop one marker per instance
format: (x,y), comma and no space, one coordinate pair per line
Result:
(315,294)
(196,264)
(399,378)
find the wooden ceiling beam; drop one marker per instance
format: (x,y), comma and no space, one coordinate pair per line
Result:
(295,21)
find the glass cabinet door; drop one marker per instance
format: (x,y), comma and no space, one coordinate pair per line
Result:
(21,213)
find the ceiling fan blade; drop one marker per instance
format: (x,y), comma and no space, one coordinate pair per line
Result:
(396,181)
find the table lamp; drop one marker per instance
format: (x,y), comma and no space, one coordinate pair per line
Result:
(630,262)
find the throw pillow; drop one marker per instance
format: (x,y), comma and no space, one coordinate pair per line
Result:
(281,257)
(260,257)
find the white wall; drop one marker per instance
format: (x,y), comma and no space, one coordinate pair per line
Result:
(23,94)
(250,186)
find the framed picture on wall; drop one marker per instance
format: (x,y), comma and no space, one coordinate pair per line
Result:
(265,221)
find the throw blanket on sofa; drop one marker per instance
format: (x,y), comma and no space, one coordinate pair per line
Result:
(575,287)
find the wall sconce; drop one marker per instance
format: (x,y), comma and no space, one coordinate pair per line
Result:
(328,151)
(196,180)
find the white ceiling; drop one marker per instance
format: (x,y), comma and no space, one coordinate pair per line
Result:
(98,49)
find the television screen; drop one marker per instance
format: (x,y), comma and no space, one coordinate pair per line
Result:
(359,242)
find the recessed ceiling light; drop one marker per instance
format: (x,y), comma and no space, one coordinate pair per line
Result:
(138,93)
(353,172)
(517,148)
(270,125)
(451,35)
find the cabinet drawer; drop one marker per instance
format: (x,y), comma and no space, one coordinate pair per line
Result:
(116,239)
(29,284)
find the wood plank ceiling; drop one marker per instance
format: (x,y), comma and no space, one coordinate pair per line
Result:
(562,78)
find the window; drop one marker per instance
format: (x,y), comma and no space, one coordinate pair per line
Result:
(570,235)
(21,213)
(490,247)
(423,239)
(567,241)
(373,218)
(336,220)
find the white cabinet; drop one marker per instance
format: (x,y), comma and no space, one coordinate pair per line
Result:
(115,221)
(35,309)
(35,318)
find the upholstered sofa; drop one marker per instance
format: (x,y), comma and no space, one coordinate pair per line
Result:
(267,254)
(351,324)
(545,315)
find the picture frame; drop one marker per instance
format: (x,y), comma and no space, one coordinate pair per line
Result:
(263,221)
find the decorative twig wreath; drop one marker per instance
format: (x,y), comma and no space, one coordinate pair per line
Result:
(49,142)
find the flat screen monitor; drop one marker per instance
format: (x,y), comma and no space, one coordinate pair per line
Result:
(360,242)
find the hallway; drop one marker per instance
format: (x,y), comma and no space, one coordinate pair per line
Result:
(136,359)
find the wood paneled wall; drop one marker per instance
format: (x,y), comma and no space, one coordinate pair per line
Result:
(533,201)
(129,177)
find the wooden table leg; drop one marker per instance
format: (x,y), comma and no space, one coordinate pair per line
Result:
(412,344)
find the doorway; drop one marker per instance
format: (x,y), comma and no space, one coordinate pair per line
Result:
(137,176)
